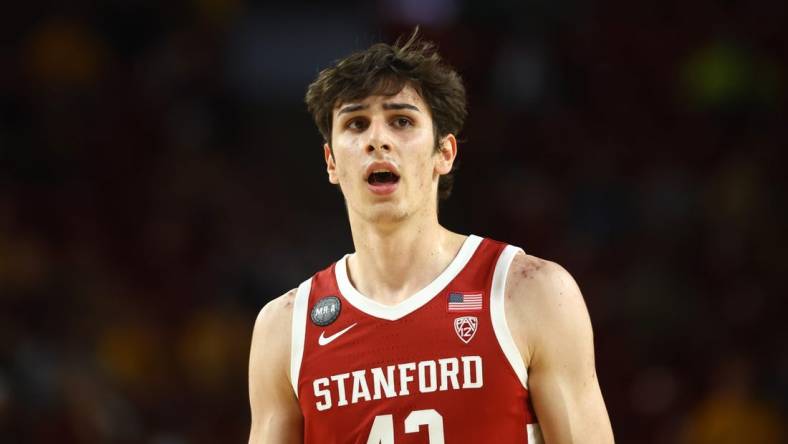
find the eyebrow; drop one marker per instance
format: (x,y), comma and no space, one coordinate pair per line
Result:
(352,108)
(386,106)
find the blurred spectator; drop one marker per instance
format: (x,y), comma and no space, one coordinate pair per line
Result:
(160,181)
(731,413)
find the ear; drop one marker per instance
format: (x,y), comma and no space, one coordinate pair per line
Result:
(331,165)
(444,158)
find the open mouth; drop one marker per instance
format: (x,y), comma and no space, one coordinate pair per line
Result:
(382,178)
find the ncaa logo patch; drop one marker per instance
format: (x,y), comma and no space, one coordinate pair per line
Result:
(325,311)
(465,327)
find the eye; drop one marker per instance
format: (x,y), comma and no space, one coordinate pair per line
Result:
(357,124)
(402,122)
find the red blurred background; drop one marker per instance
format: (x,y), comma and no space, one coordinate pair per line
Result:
(161,180)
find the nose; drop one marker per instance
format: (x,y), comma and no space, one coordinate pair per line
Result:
(378,138)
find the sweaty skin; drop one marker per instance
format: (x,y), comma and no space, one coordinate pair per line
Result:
(551,328)
(276,415)
(400,248)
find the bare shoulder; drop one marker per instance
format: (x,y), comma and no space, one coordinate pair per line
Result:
(536,280)
(276,312)
(271,337)
(549,322)
(276,416)
(542,299)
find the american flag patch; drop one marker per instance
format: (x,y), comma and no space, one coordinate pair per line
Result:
(465,301)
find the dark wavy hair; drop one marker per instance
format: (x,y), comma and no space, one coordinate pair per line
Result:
(384,69)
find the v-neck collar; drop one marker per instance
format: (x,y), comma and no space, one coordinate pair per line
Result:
(415,301)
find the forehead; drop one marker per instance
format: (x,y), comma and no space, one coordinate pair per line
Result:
(407,95)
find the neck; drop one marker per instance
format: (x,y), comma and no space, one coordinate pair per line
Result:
(393,262)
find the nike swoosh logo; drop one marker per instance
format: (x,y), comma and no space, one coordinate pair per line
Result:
(322,340)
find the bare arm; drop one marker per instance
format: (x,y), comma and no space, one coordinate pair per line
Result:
(550,323)
(276,415)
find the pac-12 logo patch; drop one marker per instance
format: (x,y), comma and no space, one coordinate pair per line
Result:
(465,327)
(325,311)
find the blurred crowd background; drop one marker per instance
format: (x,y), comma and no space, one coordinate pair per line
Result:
(161,180)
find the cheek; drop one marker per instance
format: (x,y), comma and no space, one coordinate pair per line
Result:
(346,162)
(425,167)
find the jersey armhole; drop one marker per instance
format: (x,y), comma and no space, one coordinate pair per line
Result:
(498,314)
(298,331)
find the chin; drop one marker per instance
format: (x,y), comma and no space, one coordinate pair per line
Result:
(387,217)
(385,213)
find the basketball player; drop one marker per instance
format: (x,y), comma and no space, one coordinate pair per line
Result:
(421,335)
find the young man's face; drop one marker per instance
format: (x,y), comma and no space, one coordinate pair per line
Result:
(384,156)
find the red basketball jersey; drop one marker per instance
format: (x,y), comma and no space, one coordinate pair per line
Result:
(439,367)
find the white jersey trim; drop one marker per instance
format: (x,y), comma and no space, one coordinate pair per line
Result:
(414,302)
(498,314)
(534,434)
(298,331)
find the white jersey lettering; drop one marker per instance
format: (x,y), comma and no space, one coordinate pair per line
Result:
(405,378)
(385,383)
(412,377)
(325,393)
(340,380)
(475,363)
(428,380)
(446,373)
(360,388)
